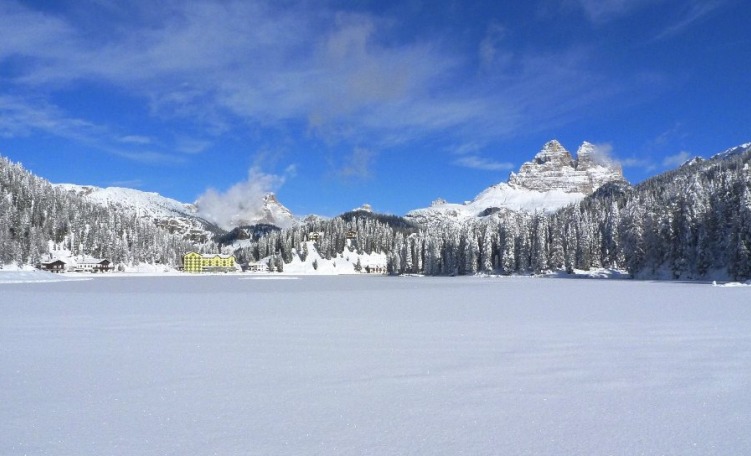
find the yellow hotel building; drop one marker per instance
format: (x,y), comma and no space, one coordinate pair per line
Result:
(196,262)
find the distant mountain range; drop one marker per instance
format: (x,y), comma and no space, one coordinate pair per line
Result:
(183,218)
(552,179)
(558,212)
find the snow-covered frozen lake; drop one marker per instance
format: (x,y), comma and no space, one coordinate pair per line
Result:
(228,365)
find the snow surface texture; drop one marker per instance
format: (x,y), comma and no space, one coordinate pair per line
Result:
(344,263)
(733,284)
(34,276)
(374,365)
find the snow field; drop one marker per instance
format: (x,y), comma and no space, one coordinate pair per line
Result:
(29,275)
(374,365)
(343,264)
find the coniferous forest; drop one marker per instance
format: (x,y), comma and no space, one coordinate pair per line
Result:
(33,213)
(690,223)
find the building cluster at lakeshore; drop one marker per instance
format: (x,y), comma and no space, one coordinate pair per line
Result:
(80,264)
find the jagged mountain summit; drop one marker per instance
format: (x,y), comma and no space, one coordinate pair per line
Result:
(245,210)
(272,212)
(551,180)
(553,168)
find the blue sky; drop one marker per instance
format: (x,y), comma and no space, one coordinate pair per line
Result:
(332,104)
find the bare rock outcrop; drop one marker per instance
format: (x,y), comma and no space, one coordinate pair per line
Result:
(553,168)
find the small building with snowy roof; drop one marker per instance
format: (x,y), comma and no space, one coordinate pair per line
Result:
(91,264)
(55,265)
(260,266)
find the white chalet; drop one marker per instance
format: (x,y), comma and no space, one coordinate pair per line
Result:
(258,267)
(91,264)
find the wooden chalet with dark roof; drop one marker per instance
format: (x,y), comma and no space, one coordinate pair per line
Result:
(55,265)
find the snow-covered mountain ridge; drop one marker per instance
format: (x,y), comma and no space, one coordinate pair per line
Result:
(170,214)
(737,150)
(188,219)
(146,204)
(551,180)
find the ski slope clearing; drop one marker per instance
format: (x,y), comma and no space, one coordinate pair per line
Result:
(374,365)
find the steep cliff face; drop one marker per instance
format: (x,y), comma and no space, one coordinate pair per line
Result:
(274,213)
(553,168)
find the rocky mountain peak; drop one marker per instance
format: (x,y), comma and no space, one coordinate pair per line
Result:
(551,180)
(270,198)
(553,168)
(586,156)
(553,154)
(273,213)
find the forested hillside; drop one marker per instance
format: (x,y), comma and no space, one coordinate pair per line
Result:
(367,232)
(33,212)
(690,223)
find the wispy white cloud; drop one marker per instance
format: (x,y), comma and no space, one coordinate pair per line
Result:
(602,11)
(291,170)
(675,133)
(340,77)
(136,139)
(645,164)
(30,33)
(604,149)
(481,163)
(692,12)
(603,153)
(471,147)
(358,165)
(676,160)
(470,155)
(192,146)
(242,203)
(20,117)
(145,156)
(650,165)
(491,51)
(130,183)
